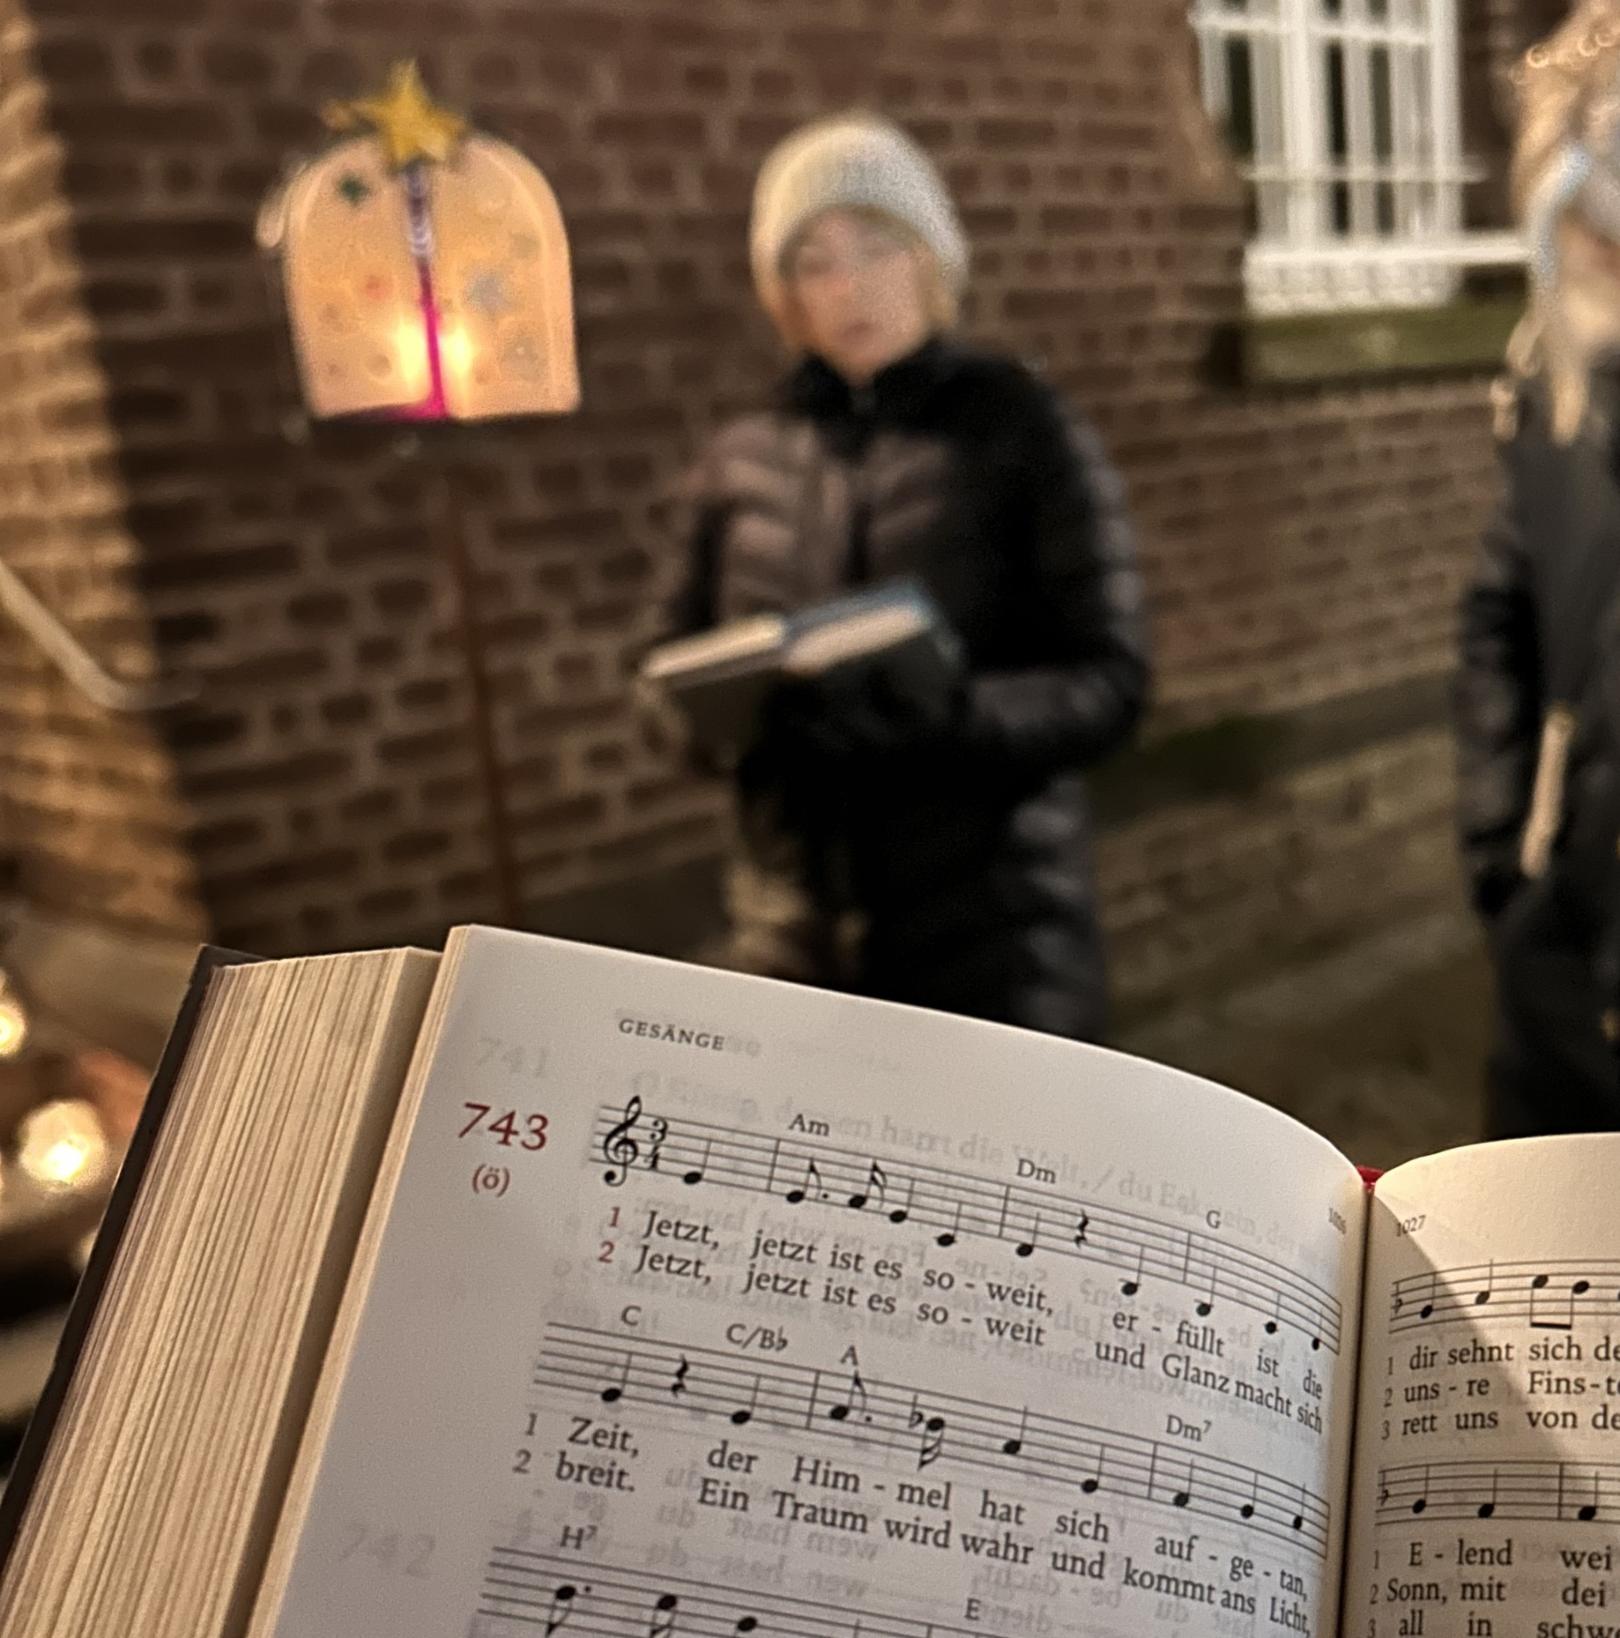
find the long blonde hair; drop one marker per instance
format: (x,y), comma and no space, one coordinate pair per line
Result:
(1567,92)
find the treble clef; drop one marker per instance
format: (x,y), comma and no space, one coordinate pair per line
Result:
(619,1147)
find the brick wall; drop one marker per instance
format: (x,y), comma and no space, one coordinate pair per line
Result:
(1301,545)
(88,805)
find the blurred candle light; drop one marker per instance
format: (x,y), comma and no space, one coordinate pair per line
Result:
(13,1023)
(61,1144)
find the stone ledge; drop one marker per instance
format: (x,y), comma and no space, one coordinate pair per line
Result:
(1237,755)
(1314,348)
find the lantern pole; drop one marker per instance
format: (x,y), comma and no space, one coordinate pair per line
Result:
(481,700)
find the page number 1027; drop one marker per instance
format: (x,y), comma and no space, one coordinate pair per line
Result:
(506,1126)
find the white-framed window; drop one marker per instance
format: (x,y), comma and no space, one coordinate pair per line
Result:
(1344,119)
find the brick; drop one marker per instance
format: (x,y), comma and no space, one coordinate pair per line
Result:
(196,730)
(410,748)
(647,128)
(568,813)
(171,124)
(221,566)
(320,609)
(101,177)
(238,64)
(178,238)
(66,60)
(117,298)
(303,770)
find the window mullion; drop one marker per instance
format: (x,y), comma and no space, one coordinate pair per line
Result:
(1304,93)
(1445,103)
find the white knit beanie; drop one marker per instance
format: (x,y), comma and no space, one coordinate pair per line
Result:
(852,160)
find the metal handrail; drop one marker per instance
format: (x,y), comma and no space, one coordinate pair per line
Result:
(74,661)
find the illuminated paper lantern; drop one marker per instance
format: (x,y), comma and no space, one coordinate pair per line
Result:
(425,269)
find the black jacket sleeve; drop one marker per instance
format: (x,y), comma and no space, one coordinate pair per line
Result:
(1088,686)
(697,524)
(1497,708)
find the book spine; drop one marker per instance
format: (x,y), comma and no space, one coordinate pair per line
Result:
(109,1236)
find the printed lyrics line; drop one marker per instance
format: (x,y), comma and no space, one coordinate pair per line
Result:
(926,1426)
(956,1205)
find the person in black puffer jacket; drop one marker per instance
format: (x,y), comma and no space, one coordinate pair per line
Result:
(1538,695)
(934,851)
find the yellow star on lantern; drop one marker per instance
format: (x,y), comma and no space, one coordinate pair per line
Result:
(407,121)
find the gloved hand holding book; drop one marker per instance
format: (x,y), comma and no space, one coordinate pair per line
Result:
(861,675)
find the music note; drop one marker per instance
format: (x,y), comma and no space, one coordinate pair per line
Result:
(875,1181)
(1205,1305)
(1427,1310)
(901,1213)
(560,1608)
(1565,1322)
(619,1147)
(933,1432)
(1178,1497)
(744,1414)
(795,1197)
(1246,1511)
(1588,1511)
(1026,1247)
(1483,1296)
(1014,1446)
(665,1612)
(948,1237)
(932,1443)
(695,1173)
(1131,1286)
(1092,1483)
(614,1391)
(857,1390)
(677,1384)
(1486,1509)
(1274,1324)
(1422,1500)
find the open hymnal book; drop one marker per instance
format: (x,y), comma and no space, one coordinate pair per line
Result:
(720,679)
(555,1291)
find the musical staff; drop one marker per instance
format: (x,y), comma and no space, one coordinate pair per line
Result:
(952,1206)
(523,1591)
(1572,1492)
(923,1426)
(1552,1294)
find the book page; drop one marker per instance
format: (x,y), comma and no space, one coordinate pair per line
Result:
(1487,1488)
(708,1307)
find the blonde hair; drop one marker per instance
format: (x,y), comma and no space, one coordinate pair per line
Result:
(1567,91)
(940,301)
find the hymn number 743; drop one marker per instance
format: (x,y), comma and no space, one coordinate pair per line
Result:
(506,1126)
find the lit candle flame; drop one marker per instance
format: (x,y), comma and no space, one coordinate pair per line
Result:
(410,354)
(458,349)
